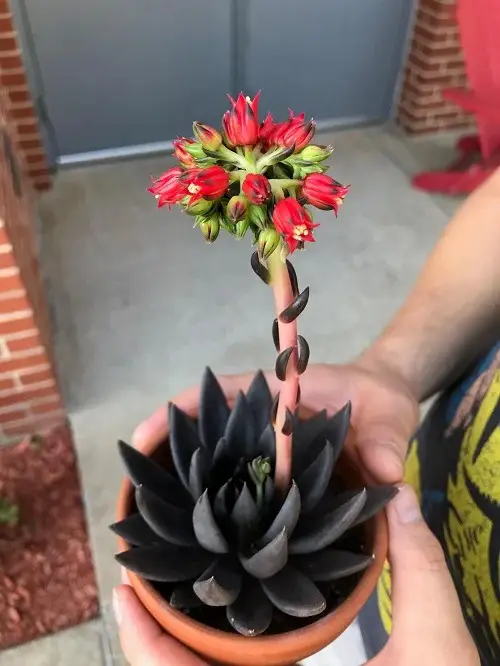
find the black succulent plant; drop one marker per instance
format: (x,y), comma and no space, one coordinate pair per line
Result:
(211,532)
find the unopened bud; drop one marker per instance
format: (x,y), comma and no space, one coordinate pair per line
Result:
(273,156)
(200,207)
(301,171)
(210,227)
(237,208)
(269,240)
(315,153)
(207,136)
(241,227)
(195,150)
(258,215)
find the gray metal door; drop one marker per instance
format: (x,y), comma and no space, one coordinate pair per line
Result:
(337,60)
(122,73)
(127,76)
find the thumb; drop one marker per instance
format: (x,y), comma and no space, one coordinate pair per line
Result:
(426,611)
(383,452)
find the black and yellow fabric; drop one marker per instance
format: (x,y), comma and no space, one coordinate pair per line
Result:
(454,465)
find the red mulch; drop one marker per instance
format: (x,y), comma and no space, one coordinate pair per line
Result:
(47,580)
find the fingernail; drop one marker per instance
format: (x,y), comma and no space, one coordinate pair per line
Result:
(117,608)
(406,505)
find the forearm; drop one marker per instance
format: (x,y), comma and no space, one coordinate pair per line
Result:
(453,313)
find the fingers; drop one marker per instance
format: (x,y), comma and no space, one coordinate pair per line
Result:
(427,618)
(383,453)
(154,428)
(142,640)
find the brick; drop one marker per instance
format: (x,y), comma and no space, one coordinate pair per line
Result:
(46,405)
(422,64)
(30,143)
(13,414)
(28,378)
(42,184)
(6,24)
(7,383)
(14,78)
(25,343)
(10,279)
(19,95)
(7,260)
(22,112)
(10,60)
(5,7)
(15,323)
(36,159)
(14,304)
(27,395)
(27,360)
(35,173)
(8,42)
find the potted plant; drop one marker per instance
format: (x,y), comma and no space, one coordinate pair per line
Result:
(250,533)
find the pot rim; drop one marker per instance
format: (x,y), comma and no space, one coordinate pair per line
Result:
(298,643)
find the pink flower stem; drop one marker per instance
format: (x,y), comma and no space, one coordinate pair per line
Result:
(283,296)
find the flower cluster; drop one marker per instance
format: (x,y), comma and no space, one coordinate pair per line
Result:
(252,176)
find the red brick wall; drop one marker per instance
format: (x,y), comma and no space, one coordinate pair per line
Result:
(30,400)
(435,62)
(13,80)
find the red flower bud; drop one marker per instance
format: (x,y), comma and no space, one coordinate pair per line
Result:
(207,136)
(294,223)
(181,153)
(170,187)
(293,132)
(266,130)
(323,192)
(209,183)
(257,188)
(241,124)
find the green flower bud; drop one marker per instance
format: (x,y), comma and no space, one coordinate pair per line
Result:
(237,208)
(269,240)
(210,227)
(195,150)
(241,228)
(303,171)
(200,207)
(258,215)
(207,136)
(315,153)
(273,156)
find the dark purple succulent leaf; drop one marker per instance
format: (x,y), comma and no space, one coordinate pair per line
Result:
(213,411)
(270,559)
(309,437)
(171,523)
(260,400)
(224,459)
(183,597)
(206,529)
(268,491)
(376,498)
(287,516)
(293,593)
(184,441)
(241,430)
(221,504)
(331,564)
(318,533)
(199,472)
(165,563)
(245,515)
(144,471)
(252,612)
(267,442)
(219,585)
(135,530)
(314,479)
(337,429)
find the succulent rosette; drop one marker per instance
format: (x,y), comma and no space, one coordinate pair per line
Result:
(237,179)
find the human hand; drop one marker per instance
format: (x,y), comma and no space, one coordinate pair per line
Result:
(428,626)
(384,414)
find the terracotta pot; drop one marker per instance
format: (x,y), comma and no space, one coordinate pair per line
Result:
(277,650)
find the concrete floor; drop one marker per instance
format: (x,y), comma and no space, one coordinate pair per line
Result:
(141,304)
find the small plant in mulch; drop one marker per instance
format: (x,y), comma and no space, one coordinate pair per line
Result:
(252,528)
(9,512)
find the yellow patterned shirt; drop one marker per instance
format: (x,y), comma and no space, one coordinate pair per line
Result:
(454,465)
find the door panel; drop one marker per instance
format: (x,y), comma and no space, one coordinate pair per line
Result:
(117,73)
(334,59)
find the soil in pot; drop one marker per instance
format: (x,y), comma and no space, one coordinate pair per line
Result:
(216,540)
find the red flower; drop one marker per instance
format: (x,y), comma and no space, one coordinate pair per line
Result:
(293,132)
(323,192)
(241,124)
(181,153)
(209,183)
(294,222)
(170,187)
(266,130)
(257,188)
